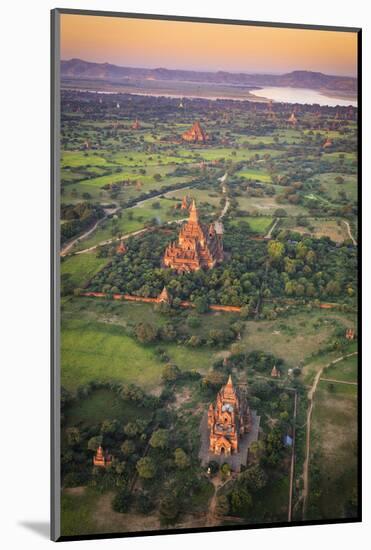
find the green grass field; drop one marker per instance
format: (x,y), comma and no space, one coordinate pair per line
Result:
(101,405)
(335,229)
(345,370)
(258,224)
(334,452)
(258,175)
(77,511)
(200,195)
(92,350)
(82,267)
(132,219)
(267,206)
(294,338)
(332,188)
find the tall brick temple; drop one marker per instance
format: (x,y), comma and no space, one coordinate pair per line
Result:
(198,246)
(228,420)
(195,134)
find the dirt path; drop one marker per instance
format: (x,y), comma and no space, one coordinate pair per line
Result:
(339,381)
(224,191)
(211,518)
(269,234)
(311,393)
(66,248)
(225,209)
(123,237)
(292,466)
(350,233)
(110,241)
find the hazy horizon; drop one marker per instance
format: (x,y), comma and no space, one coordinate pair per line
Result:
(236,71)
(185,45)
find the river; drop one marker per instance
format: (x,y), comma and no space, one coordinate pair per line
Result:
(301,95)
(275,93)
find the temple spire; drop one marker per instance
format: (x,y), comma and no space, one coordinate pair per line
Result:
(164,296)
(193,214)
(230,383)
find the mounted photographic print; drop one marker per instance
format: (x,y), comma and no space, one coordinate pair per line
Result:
(205,362)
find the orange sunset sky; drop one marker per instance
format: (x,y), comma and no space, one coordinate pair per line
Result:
(206,46)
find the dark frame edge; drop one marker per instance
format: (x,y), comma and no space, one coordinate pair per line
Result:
(55,493)
(196,530)
(359,283)
(196,19)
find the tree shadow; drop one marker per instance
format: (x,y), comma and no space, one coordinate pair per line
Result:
(42,528)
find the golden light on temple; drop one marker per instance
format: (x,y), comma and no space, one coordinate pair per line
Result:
(198,246)
(206,46)
(228,420)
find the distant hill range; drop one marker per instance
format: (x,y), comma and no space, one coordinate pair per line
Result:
(79,69)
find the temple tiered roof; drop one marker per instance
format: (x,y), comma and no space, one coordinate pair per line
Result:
(101,458)
(228,420)
(195,134)
(198,246)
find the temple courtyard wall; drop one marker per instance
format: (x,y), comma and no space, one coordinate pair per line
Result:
(235,460)
(132,298)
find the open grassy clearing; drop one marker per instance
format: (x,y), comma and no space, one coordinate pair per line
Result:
(124,174)
(319,227)
(138,183)
(254,174)
(332,189)
(77,511)
(81,268)
(272,504)
(101,405)
(141,159)
(128,314)
(294,338)
(313,365)
(200,195)
(334,452)
(85,158)
(88,507)
(268,205)
(258,224)
(93,350)
(345,370)
(216,153)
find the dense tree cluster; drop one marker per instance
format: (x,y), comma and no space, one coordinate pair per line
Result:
(292,266)
(311,268)
(78,217)
(235,282)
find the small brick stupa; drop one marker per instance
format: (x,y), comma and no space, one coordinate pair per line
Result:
(228,420)
(184,205)
(164,297)
(102,459)
(196,134)
(292,119)
(275,372)
(327,143)
(350,334)
(136,125)
(198,246)
(121,248)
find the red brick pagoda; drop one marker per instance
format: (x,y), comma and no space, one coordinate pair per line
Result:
(195,134)
(198,246)
(102,459)
(292,119)
(228,420)
(121,248)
